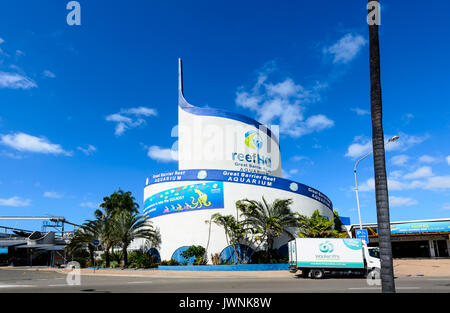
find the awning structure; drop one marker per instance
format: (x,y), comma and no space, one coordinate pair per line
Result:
(48,247)
(11,243)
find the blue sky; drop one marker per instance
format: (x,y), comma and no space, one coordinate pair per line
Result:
(87,109)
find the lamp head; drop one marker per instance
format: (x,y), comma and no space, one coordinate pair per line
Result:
(395,138)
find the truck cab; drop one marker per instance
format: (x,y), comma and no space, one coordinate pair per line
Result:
(372,257)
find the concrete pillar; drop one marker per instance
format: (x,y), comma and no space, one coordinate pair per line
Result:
(448,247)
(431,244)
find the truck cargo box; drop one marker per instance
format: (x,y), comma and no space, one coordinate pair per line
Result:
(326,253)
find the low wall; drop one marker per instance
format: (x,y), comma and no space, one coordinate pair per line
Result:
(236,267)
(212,268)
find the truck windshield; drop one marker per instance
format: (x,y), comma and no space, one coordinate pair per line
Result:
(374,252)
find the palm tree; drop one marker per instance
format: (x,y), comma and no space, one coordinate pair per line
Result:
(317,226)
(128,226)
(82,239)
(117,202)
(234,232)
(103,227)
(268,221)
(381,188)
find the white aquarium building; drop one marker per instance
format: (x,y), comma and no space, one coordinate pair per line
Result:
(223,157)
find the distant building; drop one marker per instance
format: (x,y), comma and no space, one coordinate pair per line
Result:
(413,239)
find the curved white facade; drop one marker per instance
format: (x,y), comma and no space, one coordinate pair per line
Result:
(215,139)
(223,157)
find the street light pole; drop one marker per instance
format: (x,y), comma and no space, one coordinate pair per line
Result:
(395,138)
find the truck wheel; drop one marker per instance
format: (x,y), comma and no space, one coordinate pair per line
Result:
(305,273)
(317,274)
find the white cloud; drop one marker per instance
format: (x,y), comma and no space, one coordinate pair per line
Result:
(48,74)
(129,118)
(362,145)
(346,48)
(162,154)
(427,159)
(407,117)
(396,174)
(283,103)
(422,172)
(140,111)
(393,184)
(52,194)
(435,183)
(400,160)
(293,171)
(89,150)
(401,201)
(15,202)
(299,157)
(15,81)
(248,101)
(368,185)
(1,40)
(448,159)
(27,143)
(89,205)
(359,148)
(360,111)
(118,118)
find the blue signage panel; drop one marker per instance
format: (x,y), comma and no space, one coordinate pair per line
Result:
(3,250)
(425,227)
(201,196)
(362,234)
(243,178)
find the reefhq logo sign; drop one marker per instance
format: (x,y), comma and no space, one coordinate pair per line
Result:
(253,140)
(246,147)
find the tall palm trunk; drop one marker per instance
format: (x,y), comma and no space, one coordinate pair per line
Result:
(269,248)
(107,256)
(91,254)
(125,255)
(381,188)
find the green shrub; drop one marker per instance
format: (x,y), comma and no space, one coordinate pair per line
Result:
(261,257)
(139,259)
(82,261)
(171,262)
(198,252)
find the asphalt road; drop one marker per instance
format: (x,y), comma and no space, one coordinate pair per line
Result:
(39,281)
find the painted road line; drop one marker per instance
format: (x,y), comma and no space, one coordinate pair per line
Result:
(59,285)
(15,286)
(378,288)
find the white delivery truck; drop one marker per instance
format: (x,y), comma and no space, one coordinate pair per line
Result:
(318,256)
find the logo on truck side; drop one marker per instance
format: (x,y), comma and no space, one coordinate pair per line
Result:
(326,247)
